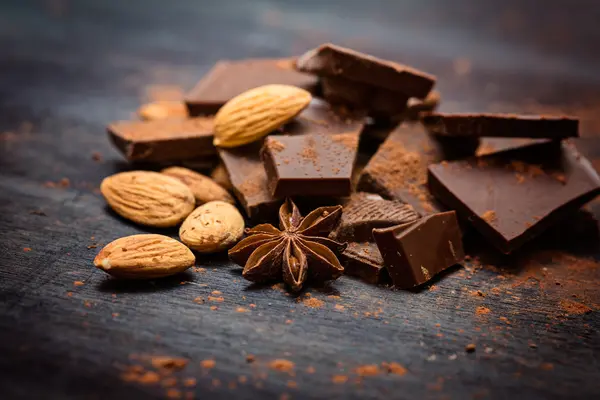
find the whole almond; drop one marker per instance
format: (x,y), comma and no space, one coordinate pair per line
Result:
(144,257)
(163,109)
(148,198)
(212,227)
(204,188)
(253,114)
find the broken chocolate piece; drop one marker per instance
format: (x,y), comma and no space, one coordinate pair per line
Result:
(246,169)
(310,165)
(228,79)
(415,252)
(398,170)
(364,261)
(365,211)
(502,125)
(514,195)
(164,140)
(378,102)
(337,61)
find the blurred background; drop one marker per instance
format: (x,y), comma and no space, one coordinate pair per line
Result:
(509,55)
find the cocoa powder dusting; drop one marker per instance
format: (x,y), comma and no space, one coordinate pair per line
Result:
(367,370)
(348,140)
(282,365)
(312,302)
(489,216)
(275,145)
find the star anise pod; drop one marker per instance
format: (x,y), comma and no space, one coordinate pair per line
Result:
(298,250)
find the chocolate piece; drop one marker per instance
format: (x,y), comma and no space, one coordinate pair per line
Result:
(378,102)
(246,169)
(310,165)
(365,211)
(364,261)
(336,61)
(228,79)
(398,170)
(514,195)
(415,252)
(164,140)
(502,125)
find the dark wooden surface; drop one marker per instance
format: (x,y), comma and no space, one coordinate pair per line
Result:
(69,67)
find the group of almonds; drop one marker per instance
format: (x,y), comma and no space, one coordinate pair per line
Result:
(208,218)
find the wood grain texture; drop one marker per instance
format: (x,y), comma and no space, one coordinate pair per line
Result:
(69,68)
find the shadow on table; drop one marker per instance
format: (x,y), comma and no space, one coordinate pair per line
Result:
(578,236)
(114,285)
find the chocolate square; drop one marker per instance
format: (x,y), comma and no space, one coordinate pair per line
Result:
(337,61)
(415,252)
(310,165)
(364,261)
(228,79)
(164,140)
(514,195)
(502,125)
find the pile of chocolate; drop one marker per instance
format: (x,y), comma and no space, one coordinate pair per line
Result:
(407,177)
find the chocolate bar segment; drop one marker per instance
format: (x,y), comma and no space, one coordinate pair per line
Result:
(164,140)
(502,125)
(245,167)
(398,170)
(415,252)
(336,61)
(514,195)
(364,212)
(378,102)
(310,165)
(364,261)
(228,79)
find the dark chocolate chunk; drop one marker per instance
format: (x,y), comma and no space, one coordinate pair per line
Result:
(415,252)
(514,195)
(164,140)
(336,61)
(310,165)
(376,101)
(228,79)
(398,170)
(502,125)
(365,211)
(364,261)
(246,170)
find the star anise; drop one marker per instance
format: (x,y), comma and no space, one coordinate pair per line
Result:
(298,250)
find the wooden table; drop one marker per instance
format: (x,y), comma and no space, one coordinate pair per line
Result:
(68,331)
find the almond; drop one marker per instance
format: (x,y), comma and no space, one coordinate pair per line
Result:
(144,257)
(204,188)
(221,176)
(148,198)
(212,227)
(254,114)
(163,110)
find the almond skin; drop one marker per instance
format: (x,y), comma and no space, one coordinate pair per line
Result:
(164,109)
(204,188)
(144,257)
(213,227)
(255,113)
(148,198)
